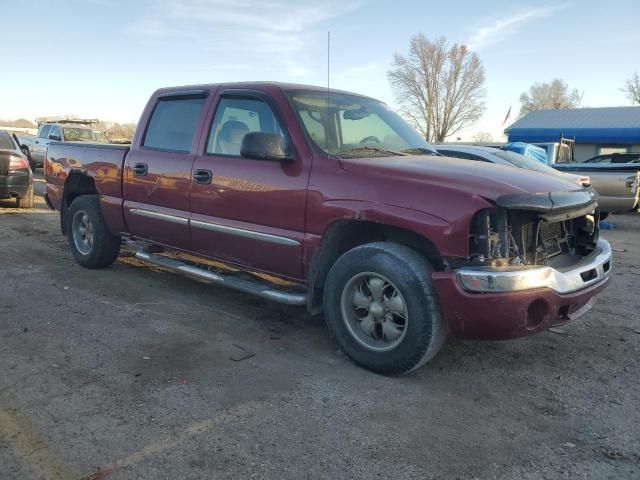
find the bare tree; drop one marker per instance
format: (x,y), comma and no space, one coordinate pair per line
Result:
(554,95)
(117,131)
(632,88)
(439,87)
(483,137)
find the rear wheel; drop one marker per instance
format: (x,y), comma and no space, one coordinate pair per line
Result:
(92,245)
(380,306)
(27,200)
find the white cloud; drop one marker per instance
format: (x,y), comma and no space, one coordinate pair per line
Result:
(501,28)
(275,25)
(241,28)
(360,71)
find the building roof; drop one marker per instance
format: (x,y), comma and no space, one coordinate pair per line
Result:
(612,125)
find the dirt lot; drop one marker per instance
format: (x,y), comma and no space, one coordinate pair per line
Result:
(133,373)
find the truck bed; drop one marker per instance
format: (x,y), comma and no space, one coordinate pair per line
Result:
(617,185)
(103,163)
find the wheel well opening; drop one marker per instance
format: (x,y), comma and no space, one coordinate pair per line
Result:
(342,236)
(77,184)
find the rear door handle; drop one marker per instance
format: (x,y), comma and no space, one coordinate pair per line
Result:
(202,176)
(140,169)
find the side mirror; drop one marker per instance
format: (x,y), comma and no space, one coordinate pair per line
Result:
(55,137)
(265,146)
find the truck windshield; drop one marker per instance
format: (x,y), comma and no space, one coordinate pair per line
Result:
(345,125)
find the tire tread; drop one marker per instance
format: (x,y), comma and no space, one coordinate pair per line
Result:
(106,246)
(419,268)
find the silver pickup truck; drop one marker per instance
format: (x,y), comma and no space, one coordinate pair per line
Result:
(35,147)
(616,184)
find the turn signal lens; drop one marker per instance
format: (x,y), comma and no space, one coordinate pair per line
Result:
(584,181)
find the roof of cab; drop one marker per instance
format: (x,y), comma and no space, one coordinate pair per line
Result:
(261,85)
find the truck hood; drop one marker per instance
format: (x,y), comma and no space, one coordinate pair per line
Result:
(485,179)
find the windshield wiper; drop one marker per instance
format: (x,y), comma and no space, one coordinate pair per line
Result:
(374,151)
(421,151)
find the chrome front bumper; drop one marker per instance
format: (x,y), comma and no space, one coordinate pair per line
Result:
(514,279)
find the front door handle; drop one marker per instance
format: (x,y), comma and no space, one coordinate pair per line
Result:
(140,169)
(202,176)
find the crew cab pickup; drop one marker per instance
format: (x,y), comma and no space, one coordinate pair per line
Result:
(330,200)
(35,147)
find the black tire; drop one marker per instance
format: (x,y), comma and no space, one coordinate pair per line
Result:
(27,200)
(410,274)
(32,164)
(603,215)
(104,247)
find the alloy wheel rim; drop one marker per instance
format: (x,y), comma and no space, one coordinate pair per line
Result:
(82,230)
(374,311)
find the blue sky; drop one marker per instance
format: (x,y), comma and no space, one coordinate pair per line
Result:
(102,58)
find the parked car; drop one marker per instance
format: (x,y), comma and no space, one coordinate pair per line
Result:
(16,179)
(60,131)
(502,156)
(337,197)
(616,184)
(615,158)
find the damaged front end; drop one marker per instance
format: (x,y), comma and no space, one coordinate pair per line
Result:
(534,241)
(555,229)
(536,261)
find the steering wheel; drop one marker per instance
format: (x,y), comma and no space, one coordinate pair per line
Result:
(369,139)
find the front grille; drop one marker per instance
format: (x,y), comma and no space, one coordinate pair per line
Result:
(543,240)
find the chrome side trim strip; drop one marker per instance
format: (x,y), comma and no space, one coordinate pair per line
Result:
(265,237)
(481,279)
(159,216)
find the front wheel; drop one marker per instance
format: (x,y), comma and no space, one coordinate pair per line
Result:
(380,306)
(92,245)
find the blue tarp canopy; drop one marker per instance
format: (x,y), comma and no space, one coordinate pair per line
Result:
(528,150)
(612,136)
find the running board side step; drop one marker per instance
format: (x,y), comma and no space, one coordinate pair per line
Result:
(253,287)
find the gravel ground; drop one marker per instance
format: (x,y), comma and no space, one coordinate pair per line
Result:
(134,373)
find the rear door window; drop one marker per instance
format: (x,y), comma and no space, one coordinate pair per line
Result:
(173,124)
(6,142)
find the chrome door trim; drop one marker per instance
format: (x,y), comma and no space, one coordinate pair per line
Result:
(265,237)
(159,216)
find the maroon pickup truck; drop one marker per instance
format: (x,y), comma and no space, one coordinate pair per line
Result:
(328,199)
